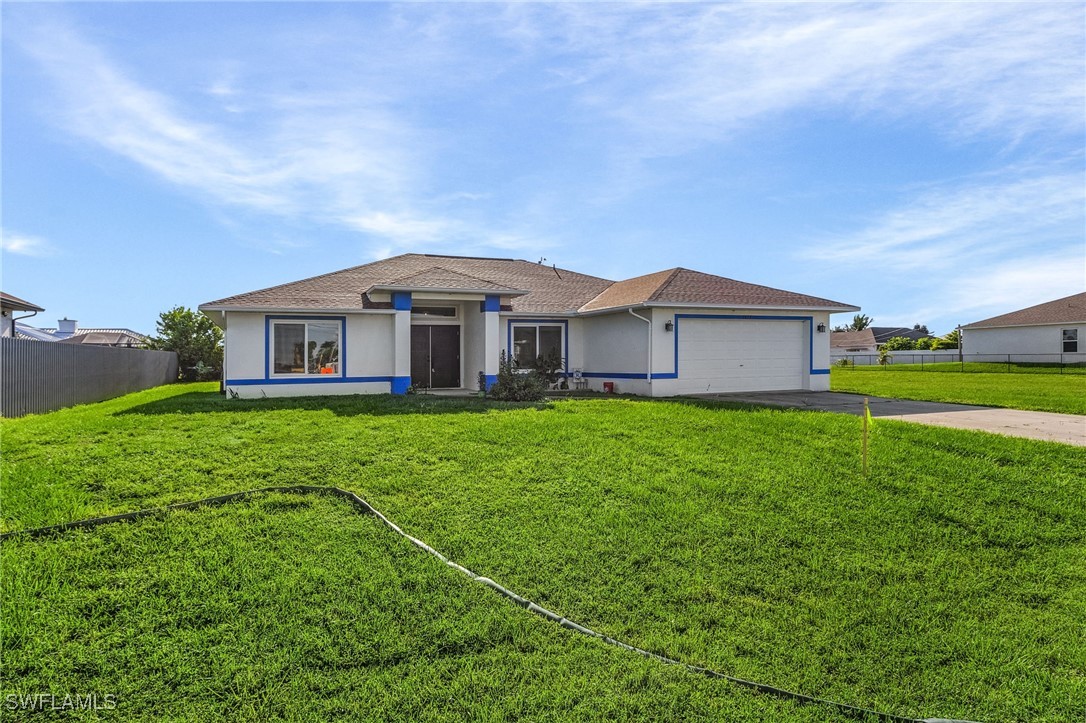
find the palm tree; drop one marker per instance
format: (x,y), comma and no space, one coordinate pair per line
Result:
(859,322)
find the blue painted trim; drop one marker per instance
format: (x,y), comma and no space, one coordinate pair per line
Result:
(401,300)
(269,318)
(311,379)
(400,384)
(810,336)
(565,335)
(493,302)
(491,380)
(615,375)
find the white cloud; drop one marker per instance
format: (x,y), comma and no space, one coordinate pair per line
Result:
(950,224)
(12,242)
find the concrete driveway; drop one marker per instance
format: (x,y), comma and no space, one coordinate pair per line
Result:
(1066,428)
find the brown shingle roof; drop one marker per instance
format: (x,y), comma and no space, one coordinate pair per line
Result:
(683,286)
(549,290)
(1068,310)
(849,339)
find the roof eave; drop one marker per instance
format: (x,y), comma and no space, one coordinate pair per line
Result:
(446,290)
(1026,323)
(835,309)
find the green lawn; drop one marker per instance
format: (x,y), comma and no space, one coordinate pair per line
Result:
(1046,391)
(950,583)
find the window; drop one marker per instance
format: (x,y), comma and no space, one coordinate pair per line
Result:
(305,347)
(1070,340)
(445,311)
(533,341)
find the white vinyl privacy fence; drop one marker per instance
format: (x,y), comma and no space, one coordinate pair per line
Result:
(40,376)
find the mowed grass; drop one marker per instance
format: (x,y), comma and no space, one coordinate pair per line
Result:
(302,609)
(1043,392)
(951,582)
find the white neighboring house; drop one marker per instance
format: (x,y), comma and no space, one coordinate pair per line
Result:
(438,322)
(1055,329)
(9,305)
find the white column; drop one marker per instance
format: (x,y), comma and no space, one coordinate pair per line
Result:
(401,357)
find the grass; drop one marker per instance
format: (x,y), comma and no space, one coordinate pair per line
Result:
(1043,392)
(950,583)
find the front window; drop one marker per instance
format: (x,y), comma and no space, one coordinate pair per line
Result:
(1070,341)
(305,347)
(530,342)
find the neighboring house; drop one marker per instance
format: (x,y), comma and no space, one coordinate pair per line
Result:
(884,334)
(853,341)
(440,321)
(9,306)
(1053,328)
(68,332)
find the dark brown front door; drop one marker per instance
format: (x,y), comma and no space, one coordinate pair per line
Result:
(435,356)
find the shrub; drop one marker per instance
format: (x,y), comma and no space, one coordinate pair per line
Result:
(513,385)
(924,343)
(950,341)
(885,357)
(843,362)
(195,338)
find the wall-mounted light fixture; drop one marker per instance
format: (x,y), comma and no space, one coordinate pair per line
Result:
(669,325)
(821,328)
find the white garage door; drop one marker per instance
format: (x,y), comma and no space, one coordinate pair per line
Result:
(741,355)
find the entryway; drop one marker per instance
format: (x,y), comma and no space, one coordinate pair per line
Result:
(435,356)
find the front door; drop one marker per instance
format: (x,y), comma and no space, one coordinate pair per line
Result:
(435,356)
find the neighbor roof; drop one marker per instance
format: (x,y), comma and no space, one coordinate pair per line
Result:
(8,301)
(850,339)
(883,334)
(529,287)
(1068,310)
(107,337)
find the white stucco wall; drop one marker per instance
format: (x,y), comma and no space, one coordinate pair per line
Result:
(1044,339)
(367,347)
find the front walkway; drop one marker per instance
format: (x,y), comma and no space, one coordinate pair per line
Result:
(1065,428)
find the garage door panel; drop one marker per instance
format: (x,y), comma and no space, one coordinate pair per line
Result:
(741,355)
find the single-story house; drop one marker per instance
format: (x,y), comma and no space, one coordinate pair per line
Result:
(853,341)
(440,321)
(1054,328)
(9,305)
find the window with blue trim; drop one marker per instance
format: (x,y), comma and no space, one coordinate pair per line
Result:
(302,348)
(531,342)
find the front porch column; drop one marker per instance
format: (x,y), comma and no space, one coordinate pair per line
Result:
(401,354)
(492,338)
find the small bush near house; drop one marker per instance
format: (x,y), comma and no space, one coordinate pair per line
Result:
(513,385)
(843,362)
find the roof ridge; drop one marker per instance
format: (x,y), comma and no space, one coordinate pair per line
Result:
(665,283)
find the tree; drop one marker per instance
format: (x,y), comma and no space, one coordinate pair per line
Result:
(899,343)
(950,341)
(921,328)
(195,338)
(859,323)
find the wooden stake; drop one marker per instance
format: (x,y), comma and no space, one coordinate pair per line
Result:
(866,413)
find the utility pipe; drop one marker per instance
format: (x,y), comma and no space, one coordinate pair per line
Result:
(648,363)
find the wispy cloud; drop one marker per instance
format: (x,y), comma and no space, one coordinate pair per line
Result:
(952,223)
(332,157)
(685,75)
(13,242)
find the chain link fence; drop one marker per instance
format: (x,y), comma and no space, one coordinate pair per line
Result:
(951,360)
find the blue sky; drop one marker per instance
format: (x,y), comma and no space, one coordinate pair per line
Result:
(924,161)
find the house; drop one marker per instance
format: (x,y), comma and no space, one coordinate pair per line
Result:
(68,332)
(441,321)
(9,306)
(853,341)
(884,334)
(1054,328)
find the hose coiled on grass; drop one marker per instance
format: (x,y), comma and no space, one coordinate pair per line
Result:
(845,708)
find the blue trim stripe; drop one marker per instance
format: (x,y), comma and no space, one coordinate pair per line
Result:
(401,300)
(493,302)
(491,380)
(311,379)
(400,384)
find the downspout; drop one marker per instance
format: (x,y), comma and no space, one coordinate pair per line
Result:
(19,318)
(648,361)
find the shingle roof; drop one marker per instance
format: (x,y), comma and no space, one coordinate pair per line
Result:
(683,286)
(1068,310)
(14,302)
(549,290)
(885,333)
(849,339)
